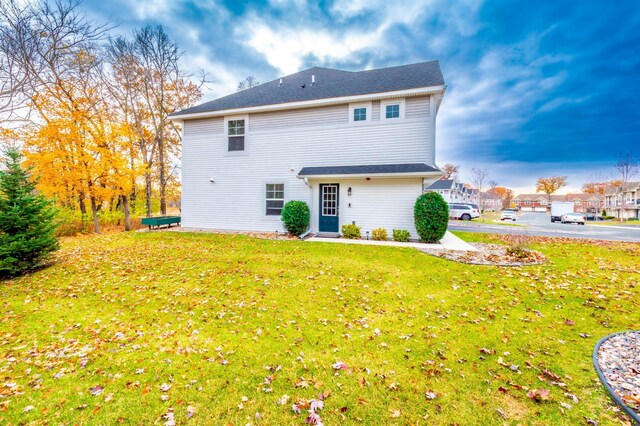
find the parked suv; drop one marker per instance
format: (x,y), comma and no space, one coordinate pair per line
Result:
(463,211)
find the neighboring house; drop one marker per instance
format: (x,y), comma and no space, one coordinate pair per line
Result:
(491,202)
(451,191)
(532,202)
(457,192)
(586,203)
(623,201)
(583,203)
(356,146)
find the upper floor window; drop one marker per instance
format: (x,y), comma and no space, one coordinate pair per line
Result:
(359,114)
(392,111)
(274,199)
(236,135)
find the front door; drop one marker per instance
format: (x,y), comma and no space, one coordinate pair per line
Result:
(329,207)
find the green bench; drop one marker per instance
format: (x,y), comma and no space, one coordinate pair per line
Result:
(160,220)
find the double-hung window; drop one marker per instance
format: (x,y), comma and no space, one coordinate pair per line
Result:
(274,199)
(236,135)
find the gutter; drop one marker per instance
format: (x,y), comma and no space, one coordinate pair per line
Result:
(372,175)
(303,236)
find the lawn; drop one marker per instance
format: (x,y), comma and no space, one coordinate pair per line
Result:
(221,329)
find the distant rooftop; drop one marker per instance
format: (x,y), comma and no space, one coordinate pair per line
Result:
(324,83)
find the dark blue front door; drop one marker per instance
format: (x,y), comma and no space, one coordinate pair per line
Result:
(329,207)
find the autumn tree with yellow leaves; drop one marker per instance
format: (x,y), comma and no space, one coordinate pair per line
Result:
(99,115)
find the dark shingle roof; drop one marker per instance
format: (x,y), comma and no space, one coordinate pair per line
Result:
(442,184)
(329,83)
(367,170)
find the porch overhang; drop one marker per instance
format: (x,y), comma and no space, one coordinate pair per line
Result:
(412,170)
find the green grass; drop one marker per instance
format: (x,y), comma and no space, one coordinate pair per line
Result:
(130,312)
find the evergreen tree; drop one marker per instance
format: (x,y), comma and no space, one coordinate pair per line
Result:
(27,227)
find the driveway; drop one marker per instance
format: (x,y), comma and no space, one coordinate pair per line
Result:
(539,224)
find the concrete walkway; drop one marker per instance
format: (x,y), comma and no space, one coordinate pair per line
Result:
(448,242)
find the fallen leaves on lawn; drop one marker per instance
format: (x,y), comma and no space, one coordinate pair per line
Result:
(538,394)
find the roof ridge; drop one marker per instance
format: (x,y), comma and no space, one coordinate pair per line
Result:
(329,83)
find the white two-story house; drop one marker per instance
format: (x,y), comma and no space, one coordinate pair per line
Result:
(358,147)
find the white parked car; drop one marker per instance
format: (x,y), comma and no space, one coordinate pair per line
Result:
(508,215)
(573,218)
(463,211)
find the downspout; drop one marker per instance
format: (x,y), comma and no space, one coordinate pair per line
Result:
(308,231)
(432,128)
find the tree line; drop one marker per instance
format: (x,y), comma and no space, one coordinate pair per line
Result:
(89,110)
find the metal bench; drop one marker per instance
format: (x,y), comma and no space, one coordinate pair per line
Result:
(160,220)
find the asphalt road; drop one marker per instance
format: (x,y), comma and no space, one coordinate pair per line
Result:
(539,224)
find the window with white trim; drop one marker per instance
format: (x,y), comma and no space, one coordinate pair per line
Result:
(236,133)
(392,111)
(274,199)
(360,114)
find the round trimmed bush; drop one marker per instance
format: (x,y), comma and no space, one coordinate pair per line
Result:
(295,217)
(431,216)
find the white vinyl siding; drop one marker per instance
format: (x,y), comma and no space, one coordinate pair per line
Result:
(205,126)
(417,107)
(281,143)
(375,111)
(302,118)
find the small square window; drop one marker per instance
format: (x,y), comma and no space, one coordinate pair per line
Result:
(359,114)
(274,199)
(393,111)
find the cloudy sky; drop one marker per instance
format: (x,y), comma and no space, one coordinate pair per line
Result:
(535,88)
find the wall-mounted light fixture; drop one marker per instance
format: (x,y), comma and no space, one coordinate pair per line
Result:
(212,180)
(349,192)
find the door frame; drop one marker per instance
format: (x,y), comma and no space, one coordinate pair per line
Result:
(321,186)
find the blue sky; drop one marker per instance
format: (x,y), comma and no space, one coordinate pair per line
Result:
(535,88)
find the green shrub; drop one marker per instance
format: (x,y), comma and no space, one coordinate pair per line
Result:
(351,232)
(604,213)
(431,215)
(401,235)
(27,227)
(295,217)
(379,234)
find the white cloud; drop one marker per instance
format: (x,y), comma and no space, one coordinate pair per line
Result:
(286,48)
(152,8)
